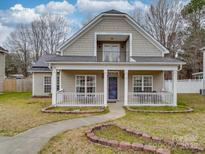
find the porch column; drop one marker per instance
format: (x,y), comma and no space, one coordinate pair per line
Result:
(126,87)
(54,86)
(105,87)
(174,87)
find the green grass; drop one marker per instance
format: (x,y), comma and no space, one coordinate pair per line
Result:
(19,112)
(186,127)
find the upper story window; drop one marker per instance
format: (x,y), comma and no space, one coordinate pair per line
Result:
(111,52)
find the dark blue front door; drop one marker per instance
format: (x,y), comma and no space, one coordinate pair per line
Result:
(112,88)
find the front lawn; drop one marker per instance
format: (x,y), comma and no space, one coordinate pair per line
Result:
(183,127)
(19,112)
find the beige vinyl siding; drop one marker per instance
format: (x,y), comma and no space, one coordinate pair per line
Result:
(84,46)
(68,79)
(38,83)
(157,79)
(2,70)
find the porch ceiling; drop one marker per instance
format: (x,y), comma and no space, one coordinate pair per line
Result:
(112,37)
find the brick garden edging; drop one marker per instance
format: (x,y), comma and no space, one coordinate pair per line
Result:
(49,110)
(187,110)
(136,146)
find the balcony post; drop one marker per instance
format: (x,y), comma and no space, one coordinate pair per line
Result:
(54,86)
(174,87)
(125,87)
(105,87)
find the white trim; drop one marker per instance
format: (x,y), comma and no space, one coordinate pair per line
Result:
(53,86)
(33,84)
(126,82)
(117,76)
(174,86)
(105,86)
(117,67)
(60,80)
(142,81)
(85,75)
(112,33)
(47,84)
(104,44)
(128,63)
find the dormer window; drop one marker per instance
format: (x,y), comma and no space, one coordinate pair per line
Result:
(111,52)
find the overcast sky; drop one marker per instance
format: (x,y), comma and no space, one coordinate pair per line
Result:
(13,12)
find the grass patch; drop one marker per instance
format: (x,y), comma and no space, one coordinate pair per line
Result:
(186,127)
(19,112)
(74,108)
(115,133)
(160,108)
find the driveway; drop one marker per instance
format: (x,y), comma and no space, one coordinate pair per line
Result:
(31,141)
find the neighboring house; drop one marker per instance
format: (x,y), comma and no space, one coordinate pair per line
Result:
(111,59)
(198,75)
(2,67)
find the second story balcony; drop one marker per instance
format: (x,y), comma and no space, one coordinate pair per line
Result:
(113,48)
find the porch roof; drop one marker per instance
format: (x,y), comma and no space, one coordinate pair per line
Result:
(73,59)
(165,60)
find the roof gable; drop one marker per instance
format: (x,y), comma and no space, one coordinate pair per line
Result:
(129,19)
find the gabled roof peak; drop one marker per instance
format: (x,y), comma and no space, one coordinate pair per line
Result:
(113,12)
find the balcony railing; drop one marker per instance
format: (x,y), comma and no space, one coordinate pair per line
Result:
(150,99)
(79,99)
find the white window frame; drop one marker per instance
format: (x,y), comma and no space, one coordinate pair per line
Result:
(104,44)
(112,33)
(133,78)
(44,84)
(85,83)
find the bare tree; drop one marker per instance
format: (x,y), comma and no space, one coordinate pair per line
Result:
(18,42)
(55,31)
(163,22)
(42,36)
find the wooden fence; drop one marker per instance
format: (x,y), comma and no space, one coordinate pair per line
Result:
(18,85)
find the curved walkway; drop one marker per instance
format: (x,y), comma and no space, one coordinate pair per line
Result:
(31,141)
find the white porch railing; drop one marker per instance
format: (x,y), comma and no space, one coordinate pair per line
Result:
(79,99)
(150,99)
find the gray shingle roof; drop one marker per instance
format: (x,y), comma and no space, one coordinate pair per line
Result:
(156,59)
(3,50)
(42,63)
(73,59)
(113,12)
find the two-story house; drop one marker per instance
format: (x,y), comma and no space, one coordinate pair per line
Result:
(2,67)
(111,59)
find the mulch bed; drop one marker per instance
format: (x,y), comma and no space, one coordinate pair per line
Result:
(137,146)
(186,110)
(49,110)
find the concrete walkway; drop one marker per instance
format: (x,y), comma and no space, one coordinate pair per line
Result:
(31,141)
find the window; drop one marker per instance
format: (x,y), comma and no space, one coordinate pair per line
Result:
(85,84)
(47,84)
(142,83)
(111,52)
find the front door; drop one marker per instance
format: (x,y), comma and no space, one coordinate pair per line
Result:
(112,88)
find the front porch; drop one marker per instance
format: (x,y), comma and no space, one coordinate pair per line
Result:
(94,88)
